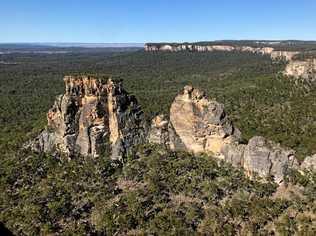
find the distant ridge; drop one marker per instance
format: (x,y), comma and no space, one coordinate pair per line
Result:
(81,45)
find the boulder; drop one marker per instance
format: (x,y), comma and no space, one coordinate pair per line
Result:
(159,133)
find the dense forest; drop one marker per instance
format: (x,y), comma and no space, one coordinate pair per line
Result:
(156,191)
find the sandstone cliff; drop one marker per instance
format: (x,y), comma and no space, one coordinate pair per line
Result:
(302,69)
(200,125)
(205,48)
(283,55)
(94,114)
(305,70)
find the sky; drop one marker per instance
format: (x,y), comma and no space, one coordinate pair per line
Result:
(140,21)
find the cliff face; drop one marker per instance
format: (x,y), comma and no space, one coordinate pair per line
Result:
(205,48)
(285,55)
(94,114)
(275,55)
(200,125)
(298,69)
(302,69)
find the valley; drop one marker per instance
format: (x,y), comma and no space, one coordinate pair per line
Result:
(155,189)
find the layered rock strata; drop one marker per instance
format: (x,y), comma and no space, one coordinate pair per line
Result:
(94,114)
(205,48)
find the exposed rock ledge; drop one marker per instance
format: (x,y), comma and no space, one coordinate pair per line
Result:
(96,113)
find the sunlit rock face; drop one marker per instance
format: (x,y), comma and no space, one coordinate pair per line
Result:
(200,125)
(94,114)
(309,163)
(285,55)
(196,124)
(302,69)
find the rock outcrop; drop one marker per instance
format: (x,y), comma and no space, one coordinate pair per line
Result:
(283,55)
(309,163)
(200,125)
(302,69)
(267,159)
(94,114)
(97,114)
(196,124)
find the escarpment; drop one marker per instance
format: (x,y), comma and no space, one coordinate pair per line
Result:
(206,48)
(94,114)
(299,69)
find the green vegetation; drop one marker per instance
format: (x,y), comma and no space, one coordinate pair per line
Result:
(305,55)
(155,191)
(257,100)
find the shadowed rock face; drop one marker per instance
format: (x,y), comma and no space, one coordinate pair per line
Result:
(266,158)
(93,114)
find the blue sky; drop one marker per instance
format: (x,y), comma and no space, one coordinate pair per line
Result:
(138,21)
